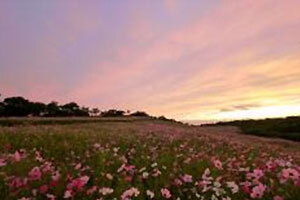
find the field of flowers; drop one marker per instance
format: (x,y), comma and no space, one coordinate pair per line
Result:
(143,160)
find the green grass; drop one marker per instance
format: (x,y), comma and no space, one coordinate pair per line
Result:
(24,121)
(102,147)
(286,128)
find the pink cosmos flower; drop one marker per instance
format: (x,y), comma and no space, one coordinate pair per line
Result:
(218,164)
(47,167)
(38,157)
(258,191)
(78,166)
(129,168)
(177,182)
(289,174)
(166,193)
(246,187)
(35,174)
(187,178)
(17,156)
(91,190)
(68,194)
(78,183)
(132,192)
(233,186)
(55,176)
(17,182)
(156,172)
(2,162)
(258,173)
(43,189)
(271,165)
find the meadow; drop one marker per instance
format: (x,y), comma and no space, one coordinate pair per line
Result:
(286,128)
(142,159)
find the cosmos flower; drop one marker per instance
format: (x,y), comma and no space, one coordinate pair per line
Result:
(35,174)
(132,192)
(187,178)
(258,191)
(106,191)
(166,193)
(233,186)
(150,194)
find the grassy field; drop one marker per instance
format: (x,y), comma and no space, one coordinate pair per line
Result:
(142,159)
(286,128)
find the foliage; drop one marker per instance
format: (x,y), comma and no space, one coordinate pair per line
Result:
(286,128)
(113,113)
(20,107)
(139,114)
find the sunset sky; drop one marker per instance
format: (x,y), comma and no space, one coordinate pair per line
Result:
(196,59)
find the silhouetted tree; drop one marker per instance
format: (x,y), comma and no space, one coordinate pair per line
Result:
(113,113)
(52,109)
(94,112)
(16,106)
(69,109)
(37,108)
(83,112)
(1,109)
(139,114)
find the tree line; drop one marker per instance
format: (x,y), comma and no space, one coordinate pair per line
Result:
(20,107)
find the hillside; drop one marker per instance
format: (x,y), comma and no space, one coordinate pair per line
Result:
(144,159)
(286,128)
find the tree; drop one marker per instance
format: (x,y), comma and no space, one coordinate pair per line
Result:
(113,113)
(52,109)
(94,112)
(139,114)
(37,108)
(16,106)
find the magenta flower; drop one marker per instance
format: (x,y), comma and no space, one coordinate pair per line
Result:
(17,182)
(43,189)
(35,174)
(91,190)
(78,183)
(258,191)
(258,173)
(289,174)
(17,156)
(2,162)
(55,176)
(166,193)
(218,164)
(187,178)
(38,157)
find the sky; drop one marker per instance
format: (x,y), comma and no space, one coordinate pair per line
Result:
(187,60)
